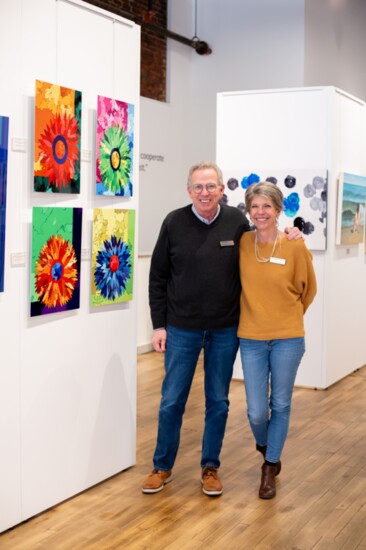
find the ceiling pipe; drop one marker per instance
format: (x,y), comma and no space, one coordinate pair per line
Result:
(201,47)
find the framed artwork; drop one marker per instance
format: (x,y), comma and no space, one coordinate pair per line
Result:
(57,128)
(4,135)
(305,199)
(55,263)
(351,209)
(114,147)
(112,256)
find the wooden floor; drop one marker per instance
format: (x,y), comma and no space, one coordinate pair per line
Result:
(321,492)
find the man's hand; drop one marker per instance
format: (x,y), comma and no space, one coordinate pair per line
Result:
(293,233)
(159,339)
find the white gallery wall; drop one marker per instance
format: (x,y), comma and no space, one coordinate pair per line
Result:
(67,380)
(345,266)
(250,40)
(166,132)
(167,149)
(335,44)
(249,45)
(257,44)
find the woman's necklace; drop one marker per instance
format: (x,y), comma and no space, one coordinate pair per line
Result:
(258,256)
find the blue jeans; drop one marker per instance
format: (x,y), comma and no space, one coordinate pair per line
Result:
(182,352)
(270,368)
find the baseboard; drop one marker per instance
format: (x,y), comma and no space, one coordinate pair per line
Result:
(145,348)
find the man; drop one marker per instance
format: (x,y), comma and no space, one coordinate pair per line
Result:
(194,292)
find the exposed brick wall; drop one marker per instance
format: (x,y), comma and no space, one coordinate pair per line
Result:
(153,46)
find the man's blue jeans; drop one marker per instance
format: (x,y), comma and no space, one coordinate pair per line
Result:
(182,351)
(270,365)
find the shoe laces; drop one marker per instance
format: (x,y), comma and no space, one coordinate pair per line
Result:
(210,471)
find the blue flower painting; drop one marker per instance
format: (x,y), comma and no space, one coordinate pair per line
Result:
(113,268)
(112,256)
(4,130)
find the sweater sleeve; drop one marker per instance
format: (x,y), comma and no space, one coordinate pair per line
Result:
(158,279)
(305,276)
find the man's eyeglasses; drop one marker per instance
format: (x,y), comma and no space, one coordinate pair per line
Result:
(210,187)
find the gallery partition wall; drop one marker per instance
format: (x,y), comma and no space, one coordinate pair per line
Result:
(68,314)
(305,139)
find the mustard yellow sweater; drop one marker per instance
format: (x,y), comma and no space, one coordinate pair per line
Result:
(274,297)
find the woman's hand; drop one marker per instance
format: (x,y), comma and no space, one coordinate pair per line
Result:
(293,233)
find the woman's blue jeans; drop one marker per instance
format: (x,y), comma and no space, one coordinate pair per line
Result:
(270,368)
(182,352)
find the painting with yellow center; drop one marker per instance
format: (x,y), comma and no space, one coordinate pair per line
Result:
(57,128)
(114,147)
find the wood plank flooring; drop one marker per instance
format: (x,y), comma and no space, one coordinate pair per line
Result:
(321,492)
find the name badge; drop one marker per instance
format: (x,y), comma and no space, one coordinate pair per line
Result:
(227,243)
(274,260)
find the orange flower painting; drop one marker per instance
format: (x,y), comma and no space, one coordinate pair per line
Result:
(56,272)
(56,251)
(57,139)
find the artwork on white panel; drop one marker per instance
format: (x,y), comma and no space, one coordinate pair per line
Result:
(112,256)
(4,135)
(351,209)
(57,137)
(114,150)
(305,199)
(55,260)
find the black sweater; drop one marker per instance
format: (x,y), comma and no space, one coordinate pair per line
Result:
(194,276)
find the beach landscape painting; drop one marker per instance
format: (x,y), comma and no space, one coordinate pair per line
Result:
(351,209)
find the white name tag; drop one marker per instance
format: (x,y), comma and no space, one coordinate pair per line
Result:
(274,260)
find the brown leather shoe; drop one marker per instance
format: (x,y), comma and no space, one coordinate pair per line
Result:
(211,484)
(263,451)
(267,488)
(156,481)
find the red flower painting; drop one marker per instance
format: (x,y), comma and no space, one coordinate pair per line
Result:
(59,150)
(57,138)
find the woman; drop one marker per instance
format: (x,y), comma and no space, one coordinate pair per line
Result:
(278,285)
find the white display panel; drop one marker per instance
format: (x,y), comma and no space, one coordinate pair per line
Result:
(281,129)
(273,129)
(300,129)
(68,384)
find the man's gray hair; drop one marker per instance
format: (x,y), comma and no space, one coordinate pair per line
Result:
(205,166)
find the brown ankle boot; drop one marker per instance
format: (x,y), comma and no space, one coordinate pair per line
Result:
(263,450)
(267,488)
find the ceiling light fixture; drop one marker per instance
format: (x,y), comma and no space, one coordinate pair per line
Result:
(201,47)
